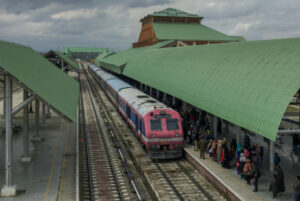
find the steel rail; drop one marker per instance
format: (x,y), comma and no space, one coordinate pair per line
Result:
(91,93)
(115,141)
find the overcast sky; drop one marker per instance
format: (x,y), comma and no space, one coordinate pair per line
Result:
(53,24)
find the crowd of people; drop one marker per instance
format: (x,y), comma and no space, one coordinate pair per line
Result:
(246,158)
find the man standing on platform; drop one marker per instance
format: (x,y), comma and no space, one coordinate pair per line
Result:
(297,189)
(202,145)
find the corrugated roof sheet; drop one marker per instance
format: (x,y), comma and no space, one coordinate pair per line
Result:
(115,61)
(67,50)
(176,31)
(64,57)
(42,77)
(238,38)
(249,83)
(67,59)
(101,57)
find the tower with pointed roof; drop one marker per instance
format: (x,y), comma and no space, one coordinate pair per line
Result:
(173,24)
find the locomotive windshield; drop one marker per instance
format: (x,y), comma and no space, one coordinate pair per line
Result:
(172,124)
(155,124)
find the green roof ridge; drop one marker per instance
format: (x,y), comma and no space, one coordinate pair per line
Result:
(172,12)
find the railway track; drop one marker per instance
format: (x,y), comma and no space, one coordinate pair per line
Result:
(169,180)
(101,171)
(184,182)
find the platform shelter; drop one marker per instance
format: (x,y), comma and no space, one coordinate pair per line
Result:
(62,61)
(41,82)
(248,84)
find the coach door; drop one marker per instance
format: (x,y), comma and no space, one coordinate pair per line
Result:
(136,122)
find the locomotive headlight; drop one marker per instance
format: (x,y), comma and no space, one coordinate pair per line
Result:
(153,135)
(177,135)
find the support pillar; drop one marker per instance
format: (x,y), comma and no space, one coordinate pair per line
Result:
(26,157)
(164,97)
(238,135)
(37,137)
(150,91)
(184,106)
(43,113)
(157,94)
(215,124)
(271,150)
(8,189)
(4,99)
(48,112)
(62,64)
(173,101)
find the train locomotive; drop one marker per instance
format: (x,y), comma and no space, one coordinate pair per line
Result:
(157,126)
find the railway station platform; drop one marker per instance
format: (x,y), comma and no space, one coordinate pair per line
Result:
(230,184)
(51,175)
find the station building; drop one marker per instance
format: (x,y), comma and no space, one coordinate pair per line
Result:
(251,87)
(185,28)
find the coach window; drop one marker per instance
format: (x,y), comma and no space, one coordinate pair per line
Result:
(155,124)
(172,124)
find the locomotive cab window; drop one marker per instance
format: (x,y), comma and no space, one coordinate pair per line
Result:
(155,124)
(172,124)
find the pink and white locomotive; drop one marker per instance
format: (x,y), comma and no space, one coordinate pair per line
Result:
(157,126)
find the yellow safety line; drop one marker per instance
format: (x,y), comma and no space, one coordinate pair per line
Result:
(63,164)
(52,165)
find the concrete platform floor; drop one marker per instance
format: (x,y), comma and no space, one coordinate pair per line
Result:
(51,174)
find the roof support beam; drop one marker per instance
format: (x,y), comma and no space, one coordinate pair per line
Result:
(289,131)
(22,105)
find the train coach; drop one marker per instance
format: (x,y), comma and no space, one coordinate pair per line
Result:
(157,126)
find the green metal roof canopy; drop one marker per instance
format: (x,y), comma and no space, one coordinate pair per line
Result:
(249,84)
(42,77)
(114,61)
(173,31)
(64,57)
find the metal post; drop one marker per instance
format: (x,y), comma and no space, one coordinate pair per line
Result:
(184,106)
(150,91)
(215,124)
(43,113)
(8,189)
(62,64)
(173,100)
(37,121)
(48,112)
(271,156)
(157,94)
(164,97)
(4,99)
(25,157)
(37,117)
(8,129)
(238,135)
